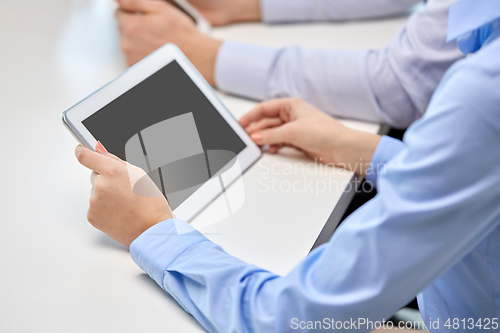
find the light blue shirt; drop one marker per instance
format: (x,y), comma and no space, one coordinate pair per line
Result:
(276,11)
(392,85)
(432,230)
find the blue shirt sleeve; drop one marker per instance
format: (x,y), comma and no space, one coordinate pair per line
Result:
(160,245)
(387,148)
(436,202)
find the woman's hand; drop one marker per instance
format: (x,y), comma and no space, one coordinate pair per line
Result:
(114,207)
(223,12)
(293,122)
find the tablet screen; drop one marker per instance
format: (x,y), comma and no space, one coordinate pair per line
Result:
(167,126)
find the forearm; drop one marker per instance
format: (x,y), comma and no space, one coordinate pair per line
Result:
(216,288)
(226,294)
(334,81)
(356,151)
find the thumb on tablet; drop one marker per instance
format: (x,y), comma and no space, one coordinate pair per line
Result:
(93,160)
(99,148)
(140,181)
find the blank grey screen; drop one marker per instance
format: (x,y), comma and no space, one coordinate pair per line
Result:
(166,126)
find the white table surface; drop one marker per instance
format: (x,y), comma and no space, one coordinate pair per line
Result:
(58,273)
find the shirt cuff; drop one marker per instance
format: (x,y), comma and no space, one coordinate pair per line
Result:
(386,150)
(275,11)
(155,249)
(243,69)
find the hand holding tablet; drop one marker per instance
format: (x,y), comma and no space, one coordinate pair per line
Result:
(114,208)
(163,117)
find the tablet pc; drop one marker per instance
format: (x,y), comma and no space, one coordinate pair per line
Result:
(162,116)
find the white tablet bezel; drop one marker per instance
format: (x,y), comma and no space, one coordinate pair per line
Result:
(74,116)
